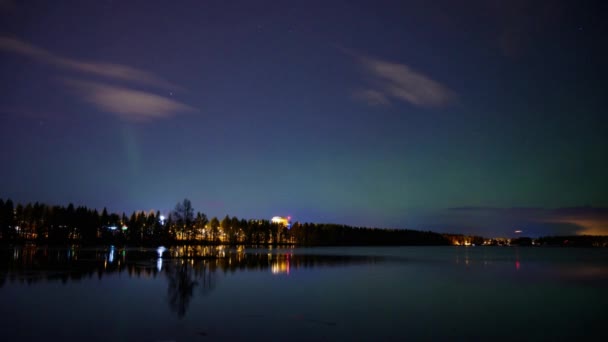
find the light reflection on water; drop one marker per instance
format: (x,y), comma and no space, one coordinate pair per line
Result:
(332,293)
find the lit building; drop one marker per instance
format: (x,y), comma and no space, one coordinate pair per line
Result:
(284,221)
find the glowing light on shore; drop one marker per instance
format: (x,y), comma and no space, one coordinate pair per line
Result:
(283,221)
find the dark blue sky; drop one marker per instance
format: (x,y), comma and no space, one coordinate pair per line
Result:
(380,113)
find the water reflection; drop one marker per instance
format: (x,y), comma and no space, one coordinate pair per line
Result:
(111,256)
(281,264)
(194,271)
(182,282)
(188,269)
(159,262)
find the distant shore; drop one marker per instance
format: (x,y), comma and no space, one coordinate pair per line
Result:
(68,225)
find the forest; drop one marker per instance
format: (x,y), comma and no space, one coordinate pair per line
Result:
(79,224)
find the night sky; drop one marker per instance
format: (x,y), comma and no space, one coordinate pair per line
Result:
(455,116)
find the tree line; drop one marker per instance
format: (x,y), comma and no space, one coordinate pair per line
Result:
(80,224)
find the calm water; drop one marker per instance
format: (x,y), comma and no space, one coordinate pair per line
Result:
(303,294)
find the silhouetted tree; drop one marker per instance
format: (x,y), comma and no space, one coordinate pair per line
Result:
(200,224)
(183,215)
(214,229)
(225,225)
(7,220)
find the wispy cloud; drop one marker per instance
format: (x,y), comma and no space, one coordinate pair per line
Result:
(592,220)
(127,103)
(538,221)
(108,70)
(395,81)
(372,97)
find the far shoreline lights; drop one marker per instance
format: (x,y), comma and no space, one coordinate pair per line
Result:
(283,221)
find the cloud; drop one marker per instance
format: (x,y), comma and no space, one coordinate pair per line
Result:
(127,103)
(536,221)
(372,97)
(593,221)
(400,82)
(108,70)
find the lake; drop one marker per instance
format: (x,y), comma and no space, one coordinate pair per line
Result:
(303,294)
